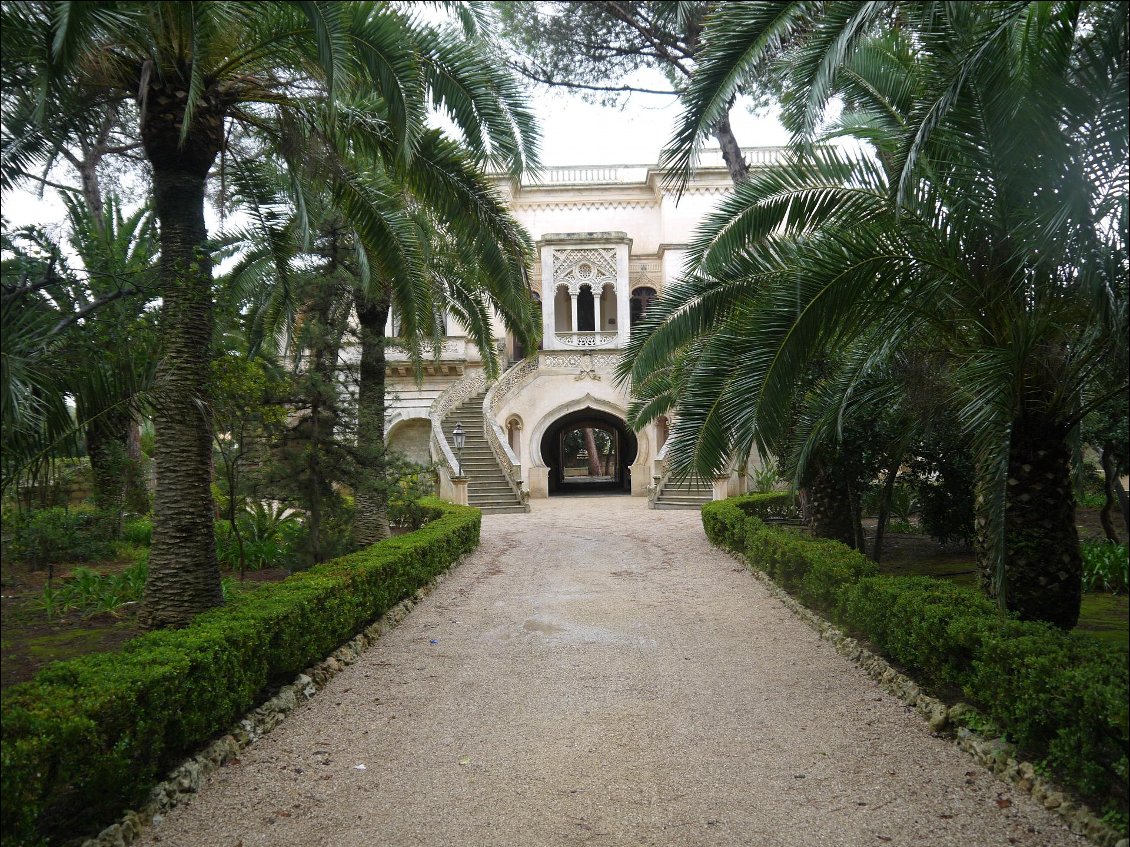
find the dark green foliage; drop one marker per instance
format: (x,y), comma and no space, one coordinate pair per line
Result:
(138,532)
(943,475)
(90,736)
(272,537)
(41,537)
(90,592)
(1105,566)
(1061,697)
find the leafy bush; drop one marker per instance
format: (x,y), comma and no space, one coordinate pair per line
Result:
(138,532)
(42,537)
(89,592)
(1106,566)
(270,538)
(1061,697)
(90,736)
(405,503)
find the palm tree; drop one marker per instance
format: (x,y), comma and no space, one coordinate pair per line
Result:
(200,71)
(986,213)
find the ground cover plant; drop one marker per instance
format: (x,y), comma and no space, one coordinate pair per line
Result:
(88,737)
(1060,696)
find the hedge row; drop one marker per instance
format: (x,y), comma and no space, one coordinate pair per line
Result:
(89,737)
(1061,697)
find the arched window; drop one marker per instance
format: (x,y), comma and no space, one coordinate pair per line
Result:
(641,301)
(586,310)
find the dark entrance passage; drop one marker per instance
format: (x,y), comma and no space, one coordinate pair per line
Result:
(589,451)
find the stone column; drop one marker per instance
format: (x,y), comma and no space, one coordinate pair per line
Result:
(721,487)
(573,297)
(459,483)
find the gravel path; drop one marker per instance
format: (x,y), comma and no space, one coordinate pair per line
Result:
(596,673)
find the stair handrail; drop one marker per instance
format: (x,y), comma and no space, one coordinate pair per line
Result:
(511,465)
(455,395)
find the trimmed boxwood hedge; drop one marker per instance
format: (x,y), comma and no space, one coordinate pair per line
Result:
(1061,697)
(90,737)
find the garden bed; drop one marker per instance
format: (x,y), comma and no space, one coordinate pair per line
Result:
(89,737)
(1060,696)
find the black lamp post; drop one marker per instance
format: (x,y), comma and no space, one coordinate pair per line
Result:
(460,439)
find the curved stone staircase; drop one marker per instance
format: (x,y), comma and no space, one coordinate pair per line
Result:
(487,486)
(690,493)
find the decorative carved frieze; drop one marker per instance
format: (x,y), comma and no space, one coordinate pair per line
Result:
(593,266)
(582,361)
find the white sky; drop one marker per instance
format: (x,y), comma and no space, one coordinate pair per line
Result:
(573,133)
(579,133)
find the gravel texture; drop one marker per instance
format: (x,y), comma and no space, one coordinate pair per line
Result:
(597,673)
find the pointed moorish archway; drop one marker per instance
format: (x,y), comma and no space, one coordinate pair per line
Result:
(589,450)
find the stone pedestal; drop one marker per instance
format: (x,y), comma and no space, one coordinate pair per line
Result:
(459,484)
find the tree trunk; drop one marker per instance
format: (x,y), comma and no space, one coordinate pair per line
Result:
(731,150)
(370,522)
(1043,567)
(1122,504)
(184,577)
(829,507)
(885,508)
(1110,473)
(106,447)
(590,449)
(137,492)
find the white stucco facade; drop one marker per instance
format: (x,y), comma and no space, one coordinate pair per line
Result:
(608,240)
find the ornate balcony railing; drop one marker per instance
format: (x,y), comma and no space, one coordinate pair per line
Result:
(587,340)
(453,348)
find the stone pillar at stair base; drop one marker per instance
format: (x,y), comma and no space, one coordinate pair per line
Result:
(721,487)
(459,490)
(538,481)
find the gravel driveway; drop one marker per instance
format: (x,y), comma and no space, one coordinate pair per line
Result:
(597,673)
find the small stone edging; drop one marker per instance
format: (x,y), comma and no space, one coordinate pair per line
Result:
(186,779)
(995,754)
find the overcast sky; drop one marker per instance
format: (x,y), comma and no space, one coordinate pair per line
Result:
(573,133)
(578,133)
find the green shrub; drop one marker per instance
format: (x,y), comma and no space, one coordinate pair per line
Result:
(89,592)
(138,532)
(1061,697)
(271,538)
(1106,566)
(42,537)
(90,736)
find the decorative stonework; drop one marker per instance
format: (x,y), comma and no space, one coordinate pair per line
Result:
(594,266)
(587,339)
(580,361)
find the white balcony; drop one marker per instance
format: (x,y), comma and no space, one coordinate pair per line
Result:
(586,340)
(447,357)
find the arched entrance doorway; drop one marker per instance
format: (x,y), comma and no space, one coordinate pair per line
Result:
(588,451)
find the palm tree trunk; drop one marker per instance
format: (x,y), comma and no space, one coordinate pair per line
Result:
(1110,474)
(1043,566)
(590,448)
(885,508)
(184,577)
(137,494)
(106,447)
(370,522)
(731,150)
(830,511)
